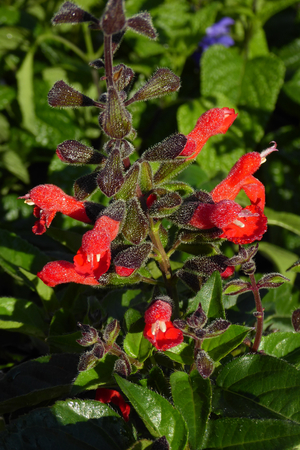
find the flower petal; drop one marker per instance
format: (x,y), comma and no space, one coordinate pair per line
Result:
(254,227)
(164,340)
(214,121)
(158,310)
(104,395)
(58,272)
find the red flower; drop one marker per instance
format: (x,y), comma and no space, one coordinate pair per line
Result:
(214,121)
(239,225)
(91,261)
(241,177)
(48,200)
(159,330)
(104,395)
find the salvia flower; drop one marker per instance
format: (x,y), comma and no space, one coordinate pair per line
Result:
(104,395)
(218,33)
(239,225)
(159,329)
(48,200)
(212,122)
(91,261)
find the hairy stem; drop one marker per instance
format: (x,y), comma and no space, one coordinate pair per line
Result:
(164,264)
(259,314)
(108,61)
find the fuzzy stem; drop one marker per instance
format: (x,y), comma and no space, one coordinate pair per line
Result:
(108,61)
(164,264)
(259,315)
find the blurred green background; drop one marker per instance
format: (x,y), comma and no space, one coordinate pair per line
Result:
(259,76)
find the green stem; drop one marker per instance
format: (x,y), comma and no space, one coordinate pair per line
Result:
(164,264)
(259,314)
(64,41)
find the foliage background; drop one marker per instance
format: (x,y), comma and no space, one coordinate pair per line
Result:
(259,76)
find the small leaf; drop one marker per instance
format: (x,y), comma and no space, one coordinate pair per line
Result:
(85,185)
(115,120)
(70,13)
(146,177)
(284,345)
(113,19)
(159,416)
(136,225)
(111,178)
(133,257)
(182,353)
(170,169)
(166,150)
(64,96)
(73,152)
(204,364)
(123,76)
(163,82)
(235,287)
(142,23)
(128,188)
(166,205)
(271,280)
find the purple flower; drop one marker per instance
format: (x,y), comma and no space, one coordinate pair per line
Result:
(218,33)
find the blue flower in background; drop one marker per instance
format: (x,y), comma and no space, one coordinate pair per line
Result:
(218,33)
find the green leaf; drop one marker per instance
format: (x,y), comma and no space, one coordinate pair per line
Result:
(68,238)
(282,345)
(220,346)
(14,164)
(71,425)
(21,252)
(182,353)
(17,314)
(192,397)
(263,385)
(143,444)
(100,375)
(279,304)
(253,85)
(210,297)
(249,434)
(159,416)
(26,92)
(7,95)
(269,8)
(281,258)
(286,220)
(292,87)
(135,345)
(37,381)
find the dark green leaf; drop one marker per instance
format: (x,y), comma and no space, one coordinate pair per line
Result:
(36,381)
(221,346)
(210,297)
(159,416)
(71,425)
(192,397)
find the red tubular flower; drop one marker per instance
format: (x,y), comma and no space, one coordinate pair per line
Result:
(48,200)
(241,177)
(91,261)
(159,330)
(212,122)
(104,395)
(241,226)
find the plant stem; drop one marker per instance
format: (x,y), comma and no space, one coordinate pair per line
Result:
(164,264)
(259,314)
(108,61)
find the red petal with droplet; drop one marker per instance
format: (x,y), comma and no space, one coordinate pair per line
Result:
(104,395)
(58,272)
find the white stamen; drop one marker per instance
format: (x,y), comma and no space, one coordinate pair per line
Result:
(98,257)
(239,223)
(153,329)
(29,202)
(162,326)
(88,257)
